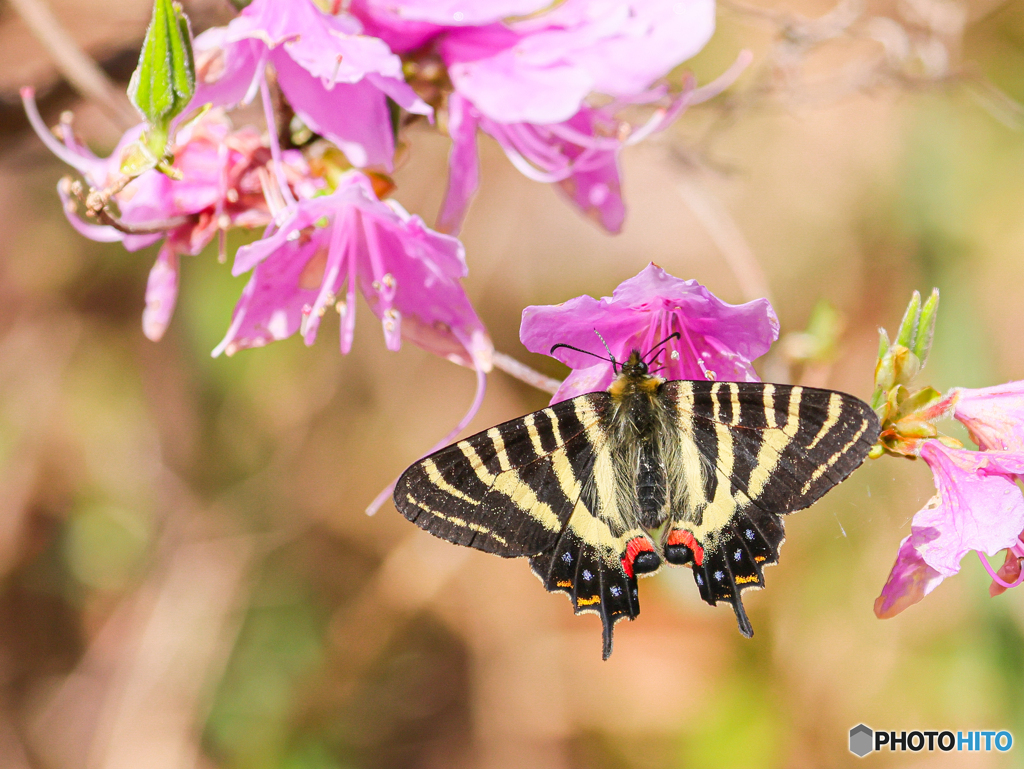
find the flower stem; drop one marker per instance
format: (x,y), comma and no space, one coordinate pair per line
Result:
(524,373)
(995,577)
(84,74)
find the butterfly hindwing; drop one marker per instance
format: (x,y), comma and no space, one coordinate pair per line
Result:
(593,579)
(750,452)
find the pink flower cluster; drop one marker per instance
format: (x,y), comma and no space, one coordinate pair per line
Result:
(520,70)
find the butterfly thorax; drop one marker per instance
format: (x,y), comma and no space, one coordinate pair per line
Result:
(640,430)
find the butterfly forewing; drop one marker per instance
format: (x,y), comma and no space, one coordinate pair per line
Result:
(511,489)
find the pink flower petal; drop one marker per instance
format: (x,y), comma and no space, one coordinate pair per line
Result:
(353,116)
(910,580)
(455,13)
(399,33)
(540,69)
(994,416)
(161,293)
(227,70)
(409,274)
(979,505)
(642,311)
(463,165)
(271,305)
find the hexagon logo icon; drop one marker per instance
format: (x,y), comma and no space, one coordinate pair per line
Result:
(862,740)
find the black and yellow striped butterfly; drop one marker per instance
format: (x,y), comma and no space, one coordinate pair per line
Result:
(601,488)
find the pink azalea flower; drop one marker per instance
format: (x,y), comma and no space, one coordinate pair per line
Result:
(319,250)
(540,69)
(220,188)
(322,249)
(978,506)
(525,84)
(335,78)
(581,155)
(994,416)
(716,339)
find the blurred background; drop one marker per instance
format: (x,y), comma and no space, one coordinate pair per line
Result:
(187,576)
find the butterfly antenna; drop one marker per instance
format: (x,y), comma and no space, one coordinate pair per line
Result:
(666,340)
(585,352)
(611,357)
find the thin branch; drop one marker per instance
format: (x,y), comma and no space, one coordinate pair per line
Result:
(95,202)
(726,234)
(524,373)
(84,74)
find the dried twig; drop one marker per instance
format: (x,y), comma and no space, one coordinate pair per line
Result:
(80,70)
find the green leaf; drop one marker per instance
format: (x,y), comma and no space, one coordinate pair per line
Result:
(908,326)
(926,327)
(164,82)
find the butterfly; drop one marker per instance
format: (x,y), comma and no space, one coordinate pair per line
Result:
(605,487)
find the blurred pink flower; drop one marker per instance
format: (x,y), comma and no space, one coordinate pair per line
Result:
(220,188)
(320,249)
(580,154)
(715,337)
(994,416)
(540,69)
(336,78)
(978,506)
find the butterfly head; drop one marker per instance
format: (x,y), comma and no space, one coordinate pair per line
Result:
(635,367)
(634,377)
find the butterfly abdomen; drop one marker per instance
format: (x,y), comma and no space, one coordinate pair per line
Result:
(641,430)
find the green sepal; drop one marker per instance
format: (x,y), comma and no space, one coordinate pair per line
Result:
(164,82)
(883,342)
(137,158)
(919,401)
(915,428)
(885,371)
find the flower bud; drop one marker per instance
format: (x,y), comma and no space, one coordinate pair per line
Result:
(164,82)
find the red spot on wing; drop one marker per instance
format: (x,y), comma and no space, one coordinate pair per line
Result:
(635,546)
(680,537)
